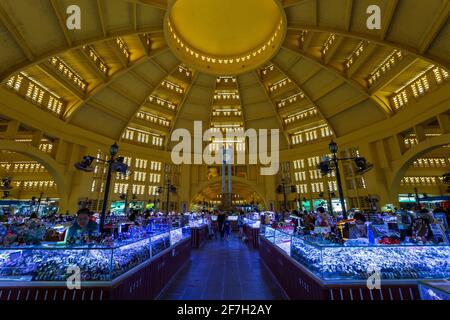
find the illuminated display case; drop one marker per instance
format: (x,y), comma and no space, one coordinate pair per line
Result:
(351,262)
(52,262)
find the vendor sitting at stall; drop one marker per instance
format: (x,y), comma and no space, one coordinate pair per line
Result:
(82,225)
(359,229)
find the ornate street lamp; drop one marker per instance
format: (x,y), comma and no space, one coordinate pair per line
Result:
(114,164)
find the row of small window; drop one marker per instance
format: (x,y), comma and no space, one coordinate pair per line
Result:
(137,189)
(67,72)
(172,86)
(291,99)
(311,134)
(316,187)
(153,118)
(23,167)
(227,113)
(237,146)
(143,164)
(226,80)
(395,57)
(419,86)
(356,54)
(35,184)
(162,102)
(265,71)
(44,147)
(328,44)
(302,115)
(141,177)
(36,93)
(421,181)
(96,59)
(312,162)
(279,84)
(185,71)
(225,95)
(358,183)
(313,175)
(123,48)
(142,137)
(431,162)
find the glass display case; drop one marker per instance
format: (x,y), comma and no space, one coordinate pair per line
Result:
(435,290)
(55,262)
(352,262)
(160,242)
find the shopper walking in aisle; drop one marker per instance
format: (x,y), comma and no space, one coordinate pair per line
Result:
(240,223)
(221,221)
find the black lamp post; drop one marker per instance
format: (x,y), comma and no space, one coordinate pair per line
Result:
(282,188)
(114,164)
(113,150)
(333,147)
(170,188)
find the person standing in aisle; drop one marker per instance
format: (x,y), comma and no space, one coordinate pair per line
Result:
(240,223)
(227,229)
(221,221)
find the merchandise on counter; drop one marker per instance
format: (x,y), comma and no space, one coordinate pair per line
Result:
(350,261)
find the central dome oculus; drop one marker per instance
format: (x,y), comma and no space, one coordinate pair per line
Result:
(225,36)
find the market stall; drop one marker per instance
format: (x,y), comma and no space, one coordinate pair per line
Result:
(128,269)
(199,232)
(252,231)
(308,267)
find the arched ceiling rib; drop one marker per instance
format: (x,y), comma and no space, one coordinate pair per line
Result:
(419,29)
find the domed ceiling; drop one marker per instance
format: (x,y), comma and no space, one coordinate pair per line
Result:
(137,70)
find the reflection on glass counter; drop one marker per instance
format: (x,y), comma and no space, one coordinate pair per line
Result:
(435,290)
(351,262)
(176,235)
(160,242)
(53,262)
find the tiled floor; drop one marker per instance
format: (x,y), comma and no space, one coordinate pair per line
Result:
(224,270)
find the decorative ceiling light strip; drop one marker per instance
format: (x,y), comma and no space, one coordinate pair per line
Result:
(95,58)
(356,54)
(327,45)
(68,73)
(395,57)
(291,99)
(123,48)
(35,92)
(225,60)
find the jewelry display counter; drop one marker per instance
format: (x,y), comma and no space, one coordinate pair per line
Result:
(132,269)
(312,270)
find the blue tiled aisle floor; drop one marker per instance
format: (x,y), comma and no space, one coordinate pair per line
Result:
(224,270)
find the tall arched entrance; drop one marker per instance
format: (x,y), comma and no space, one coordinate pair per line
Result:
(245,192)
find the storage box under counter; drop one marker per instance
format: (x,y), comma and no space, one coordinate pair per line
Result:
(130,270)
(311,270)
